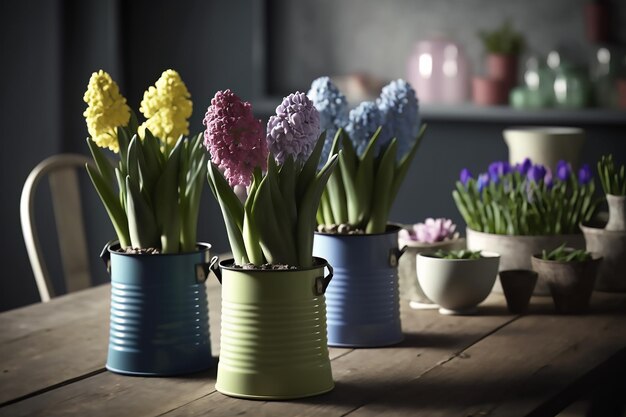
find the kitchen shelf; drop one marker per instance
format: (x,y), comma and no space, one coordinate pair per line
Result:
(495,114)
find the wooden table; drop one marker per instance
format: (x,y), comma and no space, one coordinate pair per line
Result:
(493,364)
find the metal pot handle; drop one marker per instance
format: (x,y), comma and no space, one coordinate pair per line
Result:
(105,255)
(204,268)
(215,267)
(395,254)
(321,283)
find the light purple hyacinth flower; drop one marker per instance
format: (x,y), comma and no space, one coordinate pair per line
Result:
(332,106)
(431,231)
(294,130)
(364,120)
(399,106)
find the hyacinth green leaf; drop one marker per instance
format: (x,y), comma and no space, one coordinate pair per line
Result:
(308,209)
(121,184)
(325,211)
(349,156)
(310,166)
(287,178)
(142,225)
(250,232)
(273,242)
(405,164)
(383,181)
(166,202)
(132,170)
(102,163)
(337,190)
(282,210)
(191,197)
(123,140)
(111,204)
(462,209)
(133,123)
(232,212)
(155,160)
(360,210)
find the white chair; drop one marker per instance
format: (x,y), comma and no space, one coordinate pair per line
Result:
(64,189)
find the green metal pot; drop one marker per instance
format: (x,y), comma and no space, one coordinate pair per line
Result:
(273,336)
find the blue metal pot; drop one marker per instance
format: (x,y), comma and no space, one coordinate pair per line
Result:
(363,302)
(159,312)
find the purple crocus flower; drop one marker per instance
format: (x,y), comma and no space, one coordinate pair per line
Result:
(497,170)
(547,179)
(584,175)
(524,166)
(483,181)
(563,170)
(536,173)
(294,130)
(465,176)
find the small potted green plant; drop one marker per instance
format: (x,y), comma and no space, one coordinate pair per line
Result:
(503,46)
(152,197)
(427,236)
(375,149)
(273,343)
(570,274)
(457,280)
(609,241)
(523,209)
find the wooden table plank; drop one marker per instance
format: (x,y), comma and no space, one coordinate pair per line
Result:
(361,375)
(515,370)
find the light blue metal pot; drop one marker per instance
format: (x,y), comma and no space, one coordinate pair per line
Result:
(363,303)
(159,312)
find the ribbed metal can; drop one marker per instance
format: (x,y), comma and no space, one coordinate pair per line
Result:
(363,299)
(273,335)
(159,323)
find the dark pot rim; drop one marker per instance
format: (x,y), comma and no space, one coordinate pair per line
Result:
(579,234)
(113,246)
(431,255)
(595,258)
(319,263)
(391,228)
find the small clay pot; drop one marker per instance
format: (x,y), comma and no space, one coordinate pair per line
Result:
(489,91)
(570,283)
(503,67)
(518,286)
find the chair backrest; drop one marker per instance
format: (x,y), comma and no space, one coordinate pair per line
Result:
(64,189)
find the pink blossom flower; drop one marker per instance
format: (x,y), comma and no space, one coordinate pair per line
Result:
(431,231)
(234,138)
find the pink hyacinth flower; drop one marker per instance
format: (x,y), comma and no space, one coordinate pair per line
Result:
(234,138)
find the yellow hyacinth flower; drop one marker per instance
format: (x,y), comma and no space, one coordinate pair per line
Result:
(106,111)
(166,106)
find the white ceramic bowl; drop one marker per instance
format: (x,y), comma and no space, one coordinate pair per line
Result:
(457,285)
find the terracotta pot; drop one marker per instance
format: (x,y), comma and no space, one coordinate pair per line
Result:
(518,286)
(611,245)
(516,251)
(570,283)
(409,284)
(488,91)
(503,67)
(617,213)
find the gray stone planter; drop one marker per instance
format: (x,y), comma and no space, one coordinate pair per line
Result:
(617,213)
(409,286)
(516,251)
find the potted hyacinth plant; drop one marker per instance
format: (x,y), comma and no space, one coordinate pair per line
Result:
(378,141)
(273,343)
(523,209)
(152,197)
(609,240)
(431,235)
